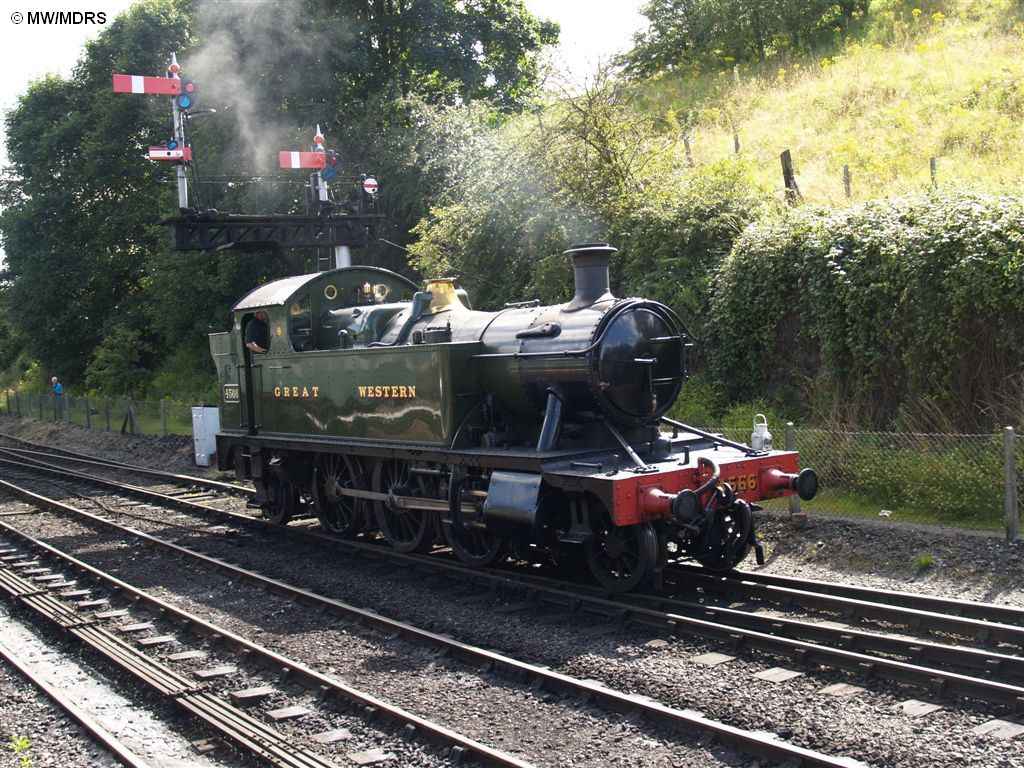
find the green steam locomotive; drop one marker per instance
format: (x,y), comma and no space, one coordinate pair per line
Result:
(534,430)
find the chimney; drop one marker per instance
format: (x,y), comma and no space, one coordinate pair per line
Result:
(590,268)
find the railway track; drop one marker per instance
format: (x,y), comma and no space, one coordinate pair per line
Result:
(539,678)
(39,576)
(44,456)
(991,670)
(545,594)
(849,601)
(96,732)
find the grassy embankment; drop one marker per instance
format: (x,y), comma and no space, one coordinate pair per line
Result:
(949,87)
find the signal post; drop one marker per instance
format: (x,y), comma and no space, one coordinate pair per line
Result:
(198,229)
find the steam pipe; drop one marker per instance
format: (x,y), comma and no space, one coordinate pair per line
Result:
(551,429)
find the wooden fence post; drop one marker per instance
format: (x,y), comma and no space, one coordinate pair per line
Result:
(932,166)
(796,517)
(1010,501)
(789,177)
(736,142)
(846,180)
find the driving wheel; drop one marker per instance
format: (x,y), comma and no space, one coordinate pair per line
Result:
(474,544)
(339,514)
(407,530)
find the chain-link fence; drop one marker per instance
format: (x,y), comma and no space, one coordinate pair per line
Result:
(948,479)
(136,417)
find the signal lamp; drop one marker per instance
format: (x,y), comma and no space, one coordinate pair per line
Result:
(187,98)
(332,166)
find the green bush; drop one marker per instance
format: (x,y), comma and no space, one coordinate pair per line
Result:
(673,249)
(908,311)
(186,375)
(115,366)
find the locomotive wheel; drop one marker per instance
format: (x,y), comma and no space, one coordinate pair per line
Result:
(282,500)
(338,514)
(622,558)
(476,547)
(730,539)
(407,530)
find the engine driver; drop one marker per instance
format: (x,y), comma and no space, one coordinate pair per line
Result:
(257,335)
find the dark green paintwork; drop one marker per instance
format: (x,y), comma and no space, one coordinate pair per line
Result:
(418,394)
(307,385)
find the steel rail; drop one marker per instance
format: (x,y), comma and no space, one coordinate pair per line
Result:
(176,686)
(100,734)
(760,745)
(1007,614)
(400,502)
(915,650)
(266,742)
(744,628)
(733,582)
(916,618)
(78,458)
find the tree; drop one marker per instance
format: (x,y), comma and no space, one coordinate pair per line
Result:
(712,33)
(77,202)
(115,367)
(85,253)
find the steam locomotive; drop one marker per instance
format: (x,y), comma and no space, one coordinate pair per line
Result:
(534,429)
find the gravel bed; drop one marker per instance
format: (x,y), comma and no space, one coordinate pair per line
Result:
(146,725)
(544,729)
(55,739)
(174,453)
(868,726)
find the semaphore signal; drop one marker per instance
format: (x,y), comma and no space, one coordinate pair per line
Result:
(183,93)
(325,165)
(336,226)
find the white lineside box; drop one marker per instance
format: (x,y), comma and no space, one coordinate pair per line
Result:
(205,426)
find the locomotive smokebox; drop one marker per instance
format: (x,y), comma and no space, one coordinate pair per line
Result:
(597,356)
(590,270)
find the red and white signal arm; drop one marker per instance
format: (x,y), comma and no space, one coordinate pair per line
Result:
(178,154)
(370,185)
(167,86)
(302,159)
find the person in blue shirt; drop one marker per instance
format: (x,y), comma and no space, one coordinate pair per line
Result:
(58,397)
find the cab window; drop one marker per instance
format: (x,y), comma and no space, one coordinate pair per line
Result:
(300,329)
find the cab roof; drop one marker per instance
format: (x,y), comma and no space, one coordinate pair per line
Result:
(280,292)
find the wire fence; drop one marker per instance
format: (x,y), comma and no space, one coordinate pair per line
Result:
(948,479)
(961,480)
(135,417)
